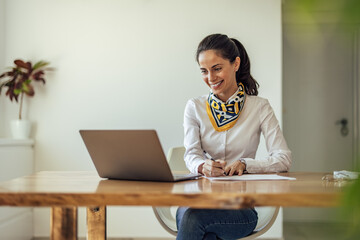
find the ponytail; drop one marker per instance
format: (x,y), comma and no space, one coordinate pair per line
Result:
(243,75)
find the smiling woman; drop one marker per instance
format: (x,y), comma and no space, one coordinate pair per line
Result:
(222,132)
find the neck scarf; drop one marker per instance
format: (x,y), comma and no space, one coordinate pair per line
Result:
(223,116)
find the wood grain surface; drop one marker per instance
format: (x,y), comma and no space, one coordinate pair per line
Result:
(87,189)
(96,223)
(63,223)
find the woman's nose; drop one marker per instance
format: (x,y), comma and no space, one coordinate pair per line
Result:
(211,77)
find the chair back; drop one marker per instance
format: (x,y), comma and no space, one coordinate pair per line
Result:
(166,219)
(176,159)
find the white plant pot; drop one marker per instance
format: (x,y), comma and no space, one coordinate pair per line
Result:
(20,129)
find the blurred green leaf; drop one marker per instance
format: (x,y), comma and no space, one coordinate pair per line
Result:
(40,64)
(351,11)
(345,11)
(350,209)
(17,91)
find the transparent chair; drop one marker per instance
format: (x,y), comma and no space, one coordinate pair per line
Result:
(176,159)
(167,215)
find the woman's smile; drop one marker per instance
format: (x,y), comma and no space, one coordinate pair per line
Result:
(216,85)
(219,73)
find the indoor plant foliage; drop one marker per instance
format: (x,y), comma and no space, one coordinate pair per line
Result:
(351,208)
(19,80)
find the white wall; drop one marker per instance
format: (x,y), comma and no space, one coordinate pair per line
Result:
(127,64)
(2,59)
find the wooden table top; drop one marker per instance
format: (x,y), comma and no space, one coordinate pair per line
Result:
(87,189)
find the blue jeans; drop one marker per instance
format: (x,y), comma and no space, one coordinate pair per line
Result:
(212,224)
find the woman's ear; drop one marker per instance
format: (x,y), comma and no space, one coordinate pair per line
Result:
(237,63)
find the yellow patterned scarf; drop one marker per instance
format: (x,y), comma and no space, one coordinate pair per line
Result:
(223,116)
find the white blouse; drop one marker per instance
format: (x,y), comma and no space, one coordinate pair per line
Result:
(239,142)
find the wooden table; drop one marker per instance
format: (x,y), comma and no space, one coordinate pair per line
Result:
(65,191)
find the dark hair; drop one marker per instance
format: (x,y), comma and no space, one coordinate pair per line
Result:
(230,48)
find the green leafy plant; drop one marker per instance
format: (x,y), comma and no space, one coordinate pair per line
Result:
(351,209)
(346,10)
(19,80)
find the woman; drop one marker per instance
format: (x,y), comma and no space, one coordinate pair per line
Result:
(222,133)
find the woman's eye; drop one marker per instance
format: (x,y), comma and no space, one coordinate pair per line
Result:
(217,69)
(203,71)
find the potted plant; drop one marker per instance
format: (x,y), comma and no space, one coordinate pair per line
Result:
(19,83)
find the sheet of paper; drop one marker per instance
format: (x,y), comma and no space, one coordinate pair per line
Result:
(251,177)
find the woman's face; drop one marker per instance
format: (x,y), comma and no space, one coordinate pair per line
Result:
(219,74)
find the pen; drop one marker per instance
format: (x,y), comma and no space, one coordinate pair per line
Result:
(208,156)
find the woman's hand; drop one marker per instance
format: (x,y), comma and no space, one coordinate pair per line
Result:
(236,167)
(212,168)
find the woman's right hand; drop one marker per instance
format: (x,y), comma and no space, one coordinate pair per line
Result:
(212,168)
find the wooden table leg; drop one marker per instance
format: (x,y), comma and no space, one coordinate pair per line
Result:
(96,223)
(63,223)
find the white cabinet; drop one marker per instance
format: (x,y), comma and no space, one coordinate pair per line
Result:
(16,160)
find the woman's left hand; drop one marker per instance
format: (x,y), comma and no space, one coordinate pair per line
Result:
(236,167)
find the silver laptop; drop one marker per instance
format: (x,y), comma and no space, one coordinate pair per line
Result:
(129,155)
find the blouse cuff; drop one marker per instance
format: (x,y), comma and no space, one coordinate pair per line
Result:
(195,165)
(252,166)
